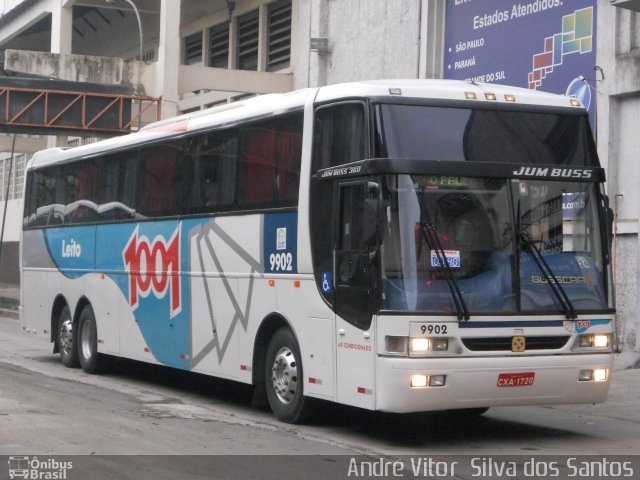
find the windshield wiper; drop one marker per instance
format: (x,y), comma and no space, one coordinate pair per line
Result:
(430,235)
(526,239)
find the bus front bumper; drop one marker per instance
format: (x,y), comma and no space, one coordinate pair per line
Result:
(491,381)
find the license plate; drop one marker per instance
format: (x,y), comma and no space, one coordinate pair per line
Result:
(516,379)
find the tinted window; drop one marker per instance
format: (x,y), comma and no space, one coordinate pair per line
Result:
(340,135)
(462,134)
(270,154)
(160,180)
(212,161)
(116,186)
(256,166)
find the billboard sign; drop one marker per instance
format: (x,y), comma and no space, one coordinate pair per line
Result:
(546,45)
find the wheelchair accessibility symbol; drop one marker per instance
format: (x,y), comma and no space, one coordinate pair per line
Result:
(327,282)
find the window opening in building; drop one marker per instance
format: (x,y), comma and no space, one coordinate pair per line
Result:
(279,35)
(247,41)
(193,49)
(219,46)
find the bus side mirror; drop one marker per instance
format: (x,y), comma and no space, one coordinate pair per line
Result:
(606,220)
(371,217)
(608,216)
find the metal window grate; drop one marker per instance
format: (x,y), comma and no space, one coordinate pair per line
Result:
(193,49)
(279,35)
(219,46)
(18,178)
(247,41)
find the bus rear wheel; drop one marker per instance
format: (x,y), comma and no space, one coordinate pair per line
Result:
(90,360)
(66,339)
(284,378)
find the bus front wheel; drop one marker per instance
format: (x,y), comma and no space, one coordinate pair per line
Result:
(66,339)
(90,360)
(284,378)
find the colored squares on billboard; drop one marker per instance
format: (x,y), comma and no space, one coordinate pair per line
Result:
(576,37)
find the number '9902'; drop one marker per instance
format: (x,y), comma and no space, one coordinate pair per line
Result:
(281,262)
(431,329)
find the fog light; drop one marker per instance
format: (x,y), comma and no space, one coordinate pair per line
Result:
(395,344)
(600,374)
(418,381)
(601,341)
(585,375)
(437,380)
(419,345)
(440,344)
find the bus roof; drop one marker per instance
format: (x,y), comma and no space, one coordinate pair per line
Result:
(271,104)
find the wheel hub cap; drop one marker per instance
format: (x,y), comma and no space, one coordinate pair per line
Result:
(86,341)
(284,375)
(66,336)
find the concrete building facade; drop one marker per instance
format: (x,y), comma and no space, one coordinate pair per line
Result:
(201,53)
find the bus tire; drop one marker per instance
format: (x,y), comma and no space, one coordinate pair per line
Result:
(284,378)
(66,339)
(90,360)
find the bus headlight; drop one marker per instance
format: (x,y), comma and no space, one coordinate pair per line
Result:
(419,381)
(598,340)
(600,374)
(419,345)
(601,341)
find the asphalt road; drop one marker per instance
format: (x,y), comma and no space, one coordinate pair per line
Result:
(148,412)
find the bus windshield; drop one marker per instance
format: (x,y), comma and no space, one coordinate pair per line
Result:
(478,224)
(482,135)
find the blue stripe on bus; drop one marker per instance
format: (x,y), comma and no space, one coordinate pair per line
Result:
(525,323)
(512,323)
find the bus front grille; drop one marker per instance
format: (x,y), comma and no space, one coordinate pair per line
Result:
(498,344)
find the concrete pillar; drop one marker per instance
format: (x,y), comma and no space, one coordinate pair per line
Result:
(168,57)
(318,28)
(61,28)
(432,23)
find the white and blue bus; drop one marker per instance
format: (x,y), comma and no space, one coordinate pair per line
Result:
(400,246)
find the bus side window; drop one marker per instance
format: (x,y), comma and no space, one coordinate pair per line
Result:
(340,135)
(258,146)
(270,156)
(43,209)
(160,188)
(212,163)
(80,190)
(117,185)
